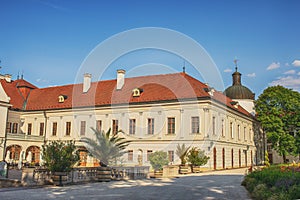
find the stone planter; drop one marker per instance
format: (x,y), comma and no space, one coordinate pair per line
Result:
(195,169)
(183,169)
(104,174)
(158,173)
(59,178)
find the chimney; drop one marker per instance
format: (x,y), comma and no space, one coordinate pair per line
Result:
(120,78)
(86,82)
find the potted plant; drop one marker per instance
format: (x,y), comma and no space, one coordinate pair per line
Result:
(197,158)
(158,159)
(106,147)
(181,152)
(59,157)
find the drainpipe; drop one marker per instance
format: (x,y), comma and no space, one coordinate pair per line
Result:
(5,137)
(45,115)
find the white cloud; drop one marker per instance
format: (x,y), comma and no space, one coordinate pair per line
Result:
(296,63)
(273,66)
(287,64)
(289,82)
(299,73)
(252,75)
(227,70)
(39,80)
(290,72)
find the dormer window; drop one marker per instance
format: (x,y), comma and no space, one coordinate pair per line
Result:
(235,104)
(209,90)
(137,92)
(62,98)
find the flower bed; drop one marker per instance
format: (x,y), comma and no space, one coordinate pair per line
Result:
(275,182)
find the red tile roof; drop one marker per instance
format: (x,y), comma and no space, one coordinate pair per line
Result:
(12,89)
(165,87)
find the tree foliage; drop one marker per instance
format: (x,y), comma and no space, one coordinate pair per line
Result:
(106,147)
(278,110)
(197,157)
(181,152)
(60,156)
(158,159)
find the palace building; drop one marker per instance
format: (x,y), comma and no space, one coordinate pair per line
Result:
(155,112)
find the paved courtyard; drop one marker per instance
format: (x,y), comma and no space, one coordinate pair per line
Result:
(209,185)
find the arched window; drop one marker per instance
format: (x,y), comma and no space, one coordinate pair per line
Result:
(33,155)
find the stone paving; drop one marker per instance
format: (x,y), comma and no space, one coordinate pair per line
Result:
(209,185)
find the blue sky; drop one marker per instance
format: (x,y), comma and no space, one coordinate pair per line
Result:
(48,40)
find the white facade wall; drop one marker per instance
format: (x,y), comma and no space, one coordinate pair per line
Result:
(160,140)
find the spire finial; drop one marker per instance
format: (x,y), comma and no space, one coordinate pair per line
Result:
(183,69)
(235,62)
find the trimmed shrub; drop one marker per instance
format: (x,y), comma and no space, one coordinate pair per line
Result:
(261,192)
(158,159)
(274,182)
(294,191)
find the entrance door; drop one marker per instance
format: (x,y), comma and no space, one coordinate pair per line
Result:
(239,158)
(246,158)
(232,164)
(223,158)
(215,158)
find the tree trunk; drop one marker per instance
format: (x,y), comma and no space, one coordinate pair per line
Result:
(284,158)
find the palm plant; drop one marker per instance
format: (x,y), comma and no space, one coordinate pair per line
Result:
(181,152)
(106,147)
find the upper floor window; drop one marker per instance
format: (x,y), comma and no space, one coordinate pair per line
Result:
(15,128)
(223,128)
(239,131)
(99,125)
(231,130)
(42,125)
(29,128)
(115,126)
(245,136)
(68,128)
(195,125)
(131,126)
(8,127)
(150,126)
(54,128)
(82,127)
(214,125)
(171,125)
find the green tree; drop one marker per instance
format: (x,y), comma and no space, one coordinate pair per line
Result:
(278,110)
(60,156)
(181,152)
(197,157)
(158,159)
(106,147)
